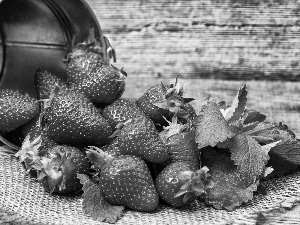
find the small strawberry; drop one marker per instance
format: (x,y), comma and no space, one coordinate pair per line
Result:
(180,139)
(125,180)
(59,168)
(88,72)
(120,111)
(73,119)
(178,184)
(160,102)
(138,136)
(45,82)
(16,109)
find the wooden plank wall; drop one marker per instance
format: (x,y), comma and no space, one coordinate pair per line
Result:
(229,39)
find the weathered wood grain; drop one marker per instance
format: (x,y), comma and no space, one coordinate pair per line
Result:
(231,39)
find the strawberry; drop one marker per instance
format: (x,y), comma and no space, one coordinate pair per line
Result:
(180,139)
(120,111)
(138,136)
(113,148)
(45,82)
(16,109)
(145,102)
(125,180)
(59,168)
(161,103)
(88,73)
(73,119)
(178,184)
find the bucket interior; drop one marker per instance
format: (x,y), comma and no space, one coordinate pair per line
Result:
(38,34)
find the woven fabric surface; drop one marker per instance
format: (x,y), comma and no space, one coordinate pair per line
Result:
(23,201)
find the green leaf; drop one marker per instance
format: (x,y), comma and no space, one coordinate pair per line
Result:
(211,126)
(268,147)
(229,190)
(252,116)
(95,205)
(266,133)
(288,150)
(249,157)
(236,110)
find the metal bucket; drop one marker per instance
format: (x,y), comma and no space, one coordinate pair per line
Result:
(38,34)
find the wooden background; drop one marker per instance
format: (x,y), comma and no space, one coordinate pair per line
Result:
(228,39)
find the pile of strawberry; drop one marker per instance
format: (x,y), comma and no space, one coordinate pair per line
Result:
(79,136)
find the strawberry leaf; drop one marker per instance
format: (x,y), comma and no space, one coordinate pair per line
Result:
(268,147)
(229,190)
(266,133)
(250,157)
(236,110)
(252,116)
(285,157)
(289,150)
(94,204)
(211,126)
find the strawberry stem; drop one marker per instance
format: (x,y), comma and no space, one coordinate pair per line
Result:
(98,157)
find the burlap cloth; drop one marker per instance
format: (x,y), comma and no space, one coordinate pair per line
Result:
(23,201)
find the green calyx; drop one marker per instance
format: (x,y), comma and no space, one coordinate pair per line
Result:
(195,184)
(54,171)
(28,154)
(174,127)
(172,97)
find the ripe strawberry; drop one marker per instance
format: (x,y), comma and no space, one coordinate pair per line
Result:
(16,109)
(113,148)
(45,82)
(145,102)
(89,73)
(120,111)
(178,184)
(180,139)
(161,103)
(125,180)
(73,119)
(138,136)
(59,168)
